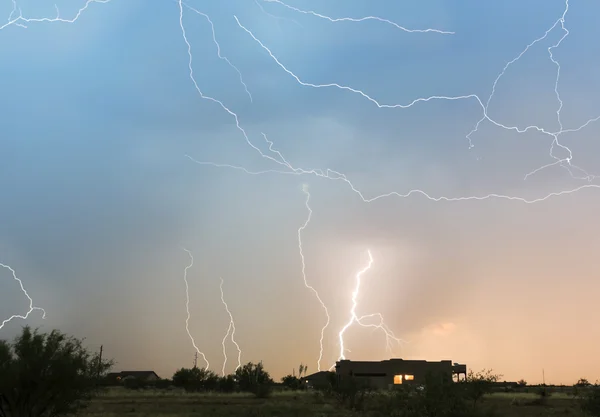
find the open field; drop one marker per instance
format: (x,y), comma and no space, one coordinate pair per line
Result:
(121,402)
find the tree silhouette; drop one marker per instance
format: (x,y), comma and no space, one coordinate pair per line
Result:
(47,375)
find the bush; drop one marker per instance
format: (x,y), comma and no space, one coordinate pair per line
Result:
(47,374)
(590,400)
(226,384)
(291,382)
(255,379)
(195,379)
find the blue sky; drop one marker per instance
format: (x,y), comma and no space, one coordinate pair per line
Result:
(99,198)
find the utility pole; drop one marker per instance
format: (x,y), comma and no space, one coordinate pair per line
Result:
(543,377)
(196,360)
(99,362)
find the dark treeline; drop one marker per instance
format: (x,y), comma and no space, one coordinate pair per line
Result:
(53,375)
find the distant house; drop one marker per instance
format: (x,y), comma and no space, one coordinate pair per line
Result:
(318,379)
(146,376)
(397,371)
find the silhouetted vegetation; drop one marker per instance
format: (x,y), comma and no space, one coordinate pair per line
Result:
(47,374)
(589,398)
(255,379)
(196,379)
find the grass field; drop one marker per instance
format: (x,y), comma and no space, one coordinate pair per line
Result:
(121,402)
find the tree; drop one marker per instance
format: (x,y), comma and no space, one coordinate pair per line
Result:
(522,383)
(227,383)
(291,382)
(479,384)
(254,378)
(195,379)
(582,382)
(47,374)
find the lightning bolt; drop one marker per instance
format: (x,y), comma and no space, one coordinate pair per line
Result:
(230,330)
(187,307)
(16,18)
(357,20)
(389,335)
(214,37)
(306,284)
(285,168)
(32,308)
(22,21)
(483,106)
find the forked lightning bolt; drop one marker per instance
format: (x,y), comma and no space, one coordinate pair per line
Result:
(306,284)
(287,169)
(553,134)
(230,330)
(16,18)
(354,318)
(32,308)
(22,21)
(187,307)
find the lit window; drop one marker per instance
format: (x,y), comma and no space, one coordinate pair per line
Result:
(409,377)
(397,379)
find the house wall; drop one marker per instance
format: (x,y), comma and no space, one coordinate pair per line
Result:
(381,374)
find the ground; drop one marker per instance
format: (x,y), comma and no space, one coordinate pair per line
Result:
(120,402)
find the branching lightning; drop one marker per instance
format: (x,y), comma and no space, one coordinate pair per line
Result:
(187,307)
(22,21)
(306,284)
(16,18)
(354,318)
(285,168)
(230,330)
(360,19)
(32,308)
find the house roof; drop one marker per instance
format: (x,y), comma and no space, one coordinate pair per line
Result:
(136,374)
(320,374)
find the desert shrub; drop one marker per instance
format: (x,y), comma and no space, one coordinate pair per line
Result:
(162,384)
(226,384)
(479,384)
(255,379)
(47,375)
(195,379)
(292,382)
(589,398)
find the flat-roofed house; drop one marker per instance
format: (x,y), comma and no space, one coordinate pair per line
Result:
(385,374)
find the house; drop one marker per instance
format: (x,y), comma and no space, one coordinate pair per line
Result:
(386,374)
(318,379)
(146,376)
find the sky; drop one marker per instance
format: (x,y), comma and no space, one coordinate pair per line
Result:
(483,264)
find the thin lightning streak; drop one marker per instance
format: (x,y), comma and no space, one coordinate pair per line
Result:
(32,308)
(208,98)
(483,106)
(360,19)
(224,58)
(353,316)
(306,284)
(389,335)
(187,307)
(230,329)
(273,16)
(22,21)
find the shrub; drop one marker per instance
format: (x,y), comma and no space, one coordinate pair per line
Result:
(255,379)
(195,379)
(47,374)
(590,400)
